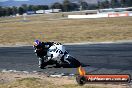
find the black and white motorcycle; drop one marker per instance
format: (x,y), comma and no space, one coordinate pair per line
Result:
(58,55)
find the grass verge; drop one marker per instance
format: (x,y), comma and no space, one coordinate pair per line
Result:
(31,80)
(54,27)
(39,83)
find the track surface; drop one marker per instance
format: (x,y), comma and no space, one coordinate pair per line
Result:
(102,58)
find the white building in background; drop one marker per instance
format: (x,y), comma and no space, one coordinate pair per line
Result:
(53,11)
(56,10)
(40,11)
(48,11)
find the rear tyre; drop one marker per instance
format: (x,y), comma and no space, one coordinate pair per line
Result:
(73,62)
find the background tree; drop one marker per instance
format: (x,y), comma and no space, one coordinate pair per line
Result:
(129,2)
(25,7)
(66,5)
(20,10)
(8,11)
(14,9)
(84,5)
(2,11)
(123,3)
(30,8)
(115,3)
(106,4)
(92,7)
(74,6)
(103,4)
(57,5)
(99,5)
(42,7)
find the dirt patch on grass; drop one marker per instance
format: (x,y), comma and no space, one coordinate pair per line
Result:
(22,80)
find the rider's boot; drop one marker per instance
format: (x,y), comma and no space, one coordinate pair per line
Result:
(41,63)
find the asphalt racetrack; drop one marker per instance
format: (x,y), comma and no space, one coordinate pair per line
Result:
(110,58)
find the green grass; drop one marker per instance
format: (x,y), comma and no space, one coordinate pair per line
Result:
(54,27)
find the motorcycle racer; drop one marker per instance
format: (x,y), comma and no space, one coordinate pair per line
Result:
(41,50)
(53,53)
(42,47)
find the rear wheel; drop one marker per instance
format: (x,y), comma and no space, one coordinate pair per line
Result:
(73,62)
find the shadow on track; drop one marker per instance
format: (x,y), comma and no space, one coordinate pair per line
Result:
(65,66)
